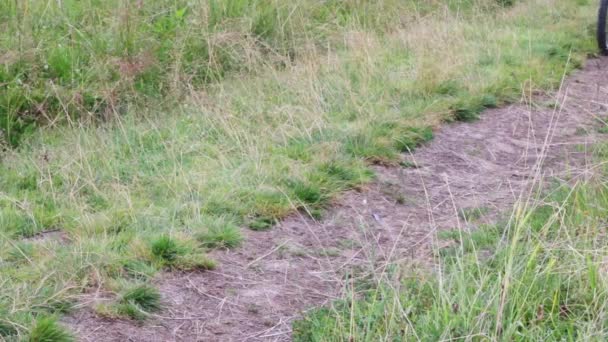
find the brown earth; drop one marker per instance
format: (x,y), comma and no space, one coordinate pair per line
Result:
(481,167)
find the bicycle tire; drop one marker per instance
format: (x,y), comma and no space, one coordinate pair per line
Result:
(601,27)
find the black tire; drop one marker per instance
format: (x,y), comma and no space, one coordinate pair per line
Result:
(601,27)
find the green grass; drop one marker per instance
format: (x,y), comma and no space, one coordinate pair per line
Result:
(147,135)
(138,302)
(184,255)
(47,329)
(220,233)
(539,276)
(165,249)
(135,301)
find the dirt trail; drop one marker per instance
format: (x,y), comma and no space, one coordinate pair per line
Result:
(259,288)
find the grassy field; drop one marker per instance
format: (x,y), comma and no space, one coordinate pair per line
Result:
(92,60)
(139,135)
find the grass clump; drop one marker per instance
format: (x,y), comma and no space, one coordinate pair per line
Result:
(412,137)
(364,145)
(166,249)
(261,223)
(47,329)
(7,330)
(194,261)
(183,255)
(341,175)
(139,302)
(136,270)
(20,253)
(220,233)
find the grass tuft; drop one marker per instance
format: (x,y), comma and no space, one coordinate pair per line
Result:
(182,255)
(137,270)
(261,223)
(467,110)
(47,329)
(221,234)
(194,262)
(138,302)
(412,137)
(165,249)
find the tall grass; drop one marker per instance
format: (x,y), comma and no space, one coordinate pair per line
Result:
(539,277)
(274,107)
(91,60)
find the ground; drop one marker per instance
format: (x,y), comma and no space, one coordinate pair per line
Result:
(307,170)
(488,165)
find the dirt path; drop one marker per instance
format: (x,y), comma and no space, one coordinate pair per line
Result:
(259,288)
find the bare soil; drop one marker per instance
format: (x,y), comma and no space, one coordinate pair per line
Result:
(481,167)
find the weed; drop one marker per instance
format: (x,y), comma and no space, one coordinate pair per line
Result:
(489,101)
(470,241)
(467,110)
(16,222)
(449,87)
(341,175)
(339,172)
(270,204)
